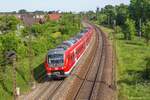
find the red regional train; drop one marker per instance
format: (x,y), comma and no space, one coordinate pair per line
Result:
(60,61)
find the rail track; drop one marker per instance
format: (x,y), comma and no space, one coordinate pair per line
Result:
(84,82)
(94,70)
(100,65)
(94,80)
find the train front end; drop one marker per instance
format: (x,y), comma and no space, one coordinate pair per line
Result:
(54,63)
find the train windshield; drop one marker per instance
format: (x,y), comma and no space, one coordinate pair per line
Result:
(53,56)
(56,59)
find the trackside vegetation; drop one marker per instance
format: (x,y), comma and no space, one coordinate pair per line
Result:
(129,26)
(14,36)
(133,67)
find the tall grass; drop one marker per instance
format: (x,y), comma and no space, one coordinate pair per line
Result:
(132,55)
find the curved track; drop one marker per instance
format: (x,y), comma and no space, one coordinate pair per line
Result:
(87,79)
(94,80)
(94,71)
(84,82)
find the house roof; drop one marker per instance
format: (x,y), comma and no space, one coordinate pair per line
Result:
(54,16)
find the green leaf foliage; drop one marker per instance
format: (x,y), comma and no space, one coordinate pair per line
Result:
(129,29)
(8,23)
(146,30)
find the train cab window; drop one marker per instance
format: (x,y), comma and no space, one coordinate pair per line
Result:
(53,56)
(56,59)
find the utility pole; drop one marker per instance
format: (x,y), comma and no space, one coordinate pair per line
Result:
(108,22)
(97,11)
(114,25)
(11,56)
(140,27)
(14,77)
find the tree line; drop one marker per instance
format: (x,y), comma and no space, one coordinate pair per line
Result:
(134,18)
(39,38)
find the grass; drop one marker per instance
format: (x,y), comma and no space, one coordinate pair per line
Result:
(23,72)
(132,84)
(22,78)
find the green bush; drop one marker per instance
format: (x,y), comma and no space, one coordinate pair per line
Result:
(37,29)
(39,46)
(8,23)
(22,50)
(118,29)
(10,42)
(43,38)
(129,29)
(146,31)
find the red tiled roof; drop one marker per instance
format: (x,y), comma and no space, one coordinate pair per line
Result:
(54,16)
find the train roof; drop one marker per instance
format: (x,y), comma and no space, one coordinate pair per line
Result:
(84,30)
(69,43)
(66,44)
(79,36)
(56,51)
(73,40)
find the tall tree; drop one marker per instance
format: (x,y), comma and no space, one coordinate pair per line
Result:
(129,29)
(140,12)
(122,14)
(22,11)
(146,31)
(109,10)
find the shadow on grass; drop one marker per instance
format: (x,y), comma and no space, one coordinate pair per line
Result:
(135,77)
(134,43)
(22,74)
(40,73)
(146,72)
(120,38)
(5,88)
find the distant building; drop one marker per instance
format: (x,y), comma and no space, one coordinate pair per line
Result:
(30,19)
(27,19)
(55,16)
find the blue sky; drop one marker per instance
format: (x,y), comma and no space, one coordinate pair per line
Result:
(63,5)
